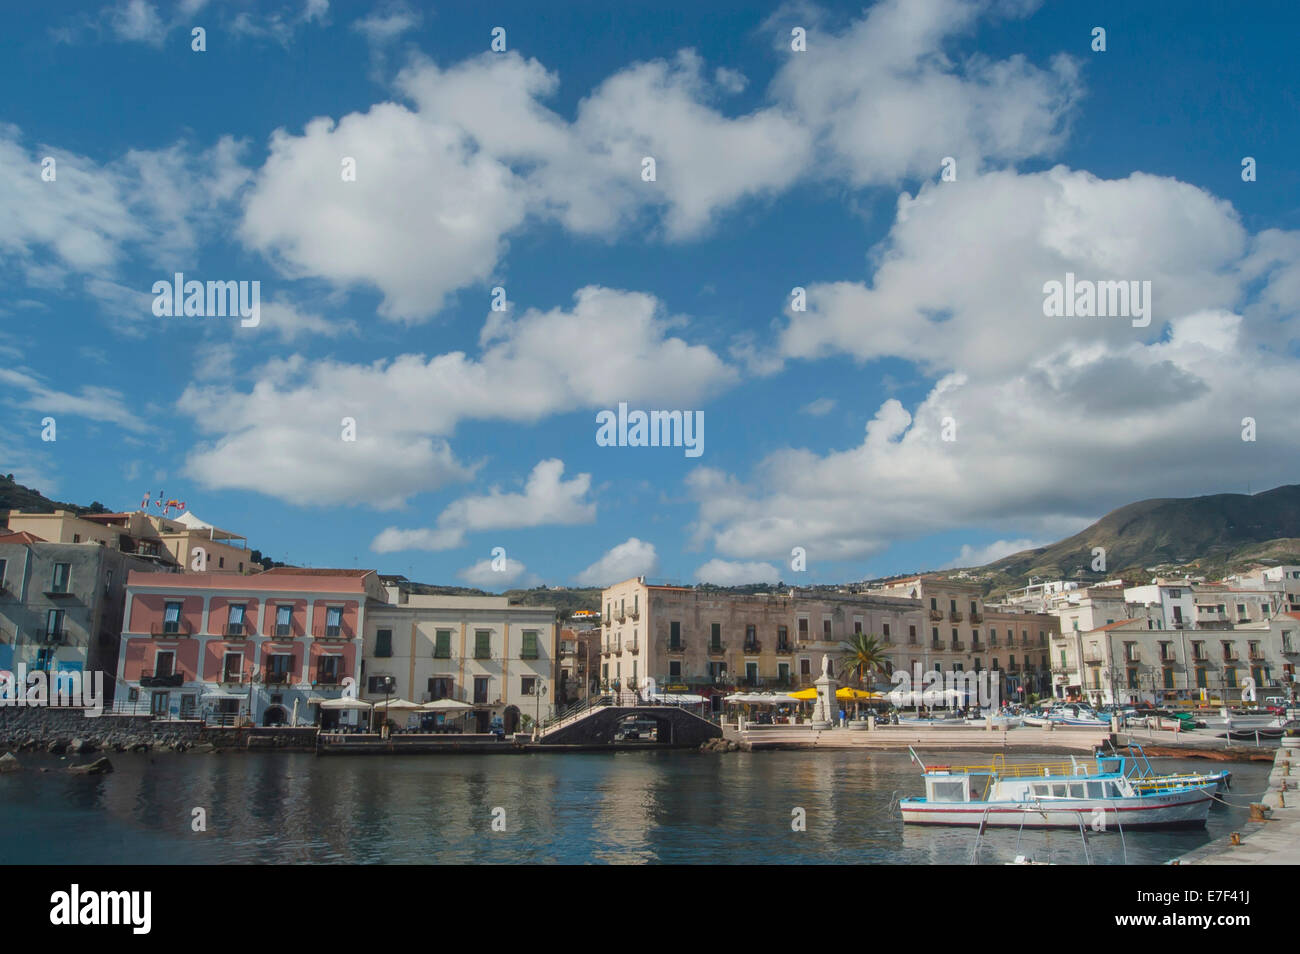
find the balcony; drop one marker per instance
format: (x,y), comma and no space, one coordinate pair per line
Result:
(936,615)
(621,617)
(277,678)
(233,679)
(1092,659)
(677,647)
(958,645)
(333,632)
(936,645)
(1256,655)
(634,615)
(54,639)
(58,591)
(239,629)
(784,649)
(327,679)
(977,647)
(633,648)
(977,617)
(956,616)
(154,680)
(753,646)
(182,627)
(717,649)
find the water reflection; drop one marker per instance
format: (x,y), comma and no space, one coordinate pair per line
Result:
(674,807)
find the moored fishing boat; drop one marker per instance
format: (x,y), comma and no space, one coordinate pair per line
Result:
(1069,794)
(1071,713)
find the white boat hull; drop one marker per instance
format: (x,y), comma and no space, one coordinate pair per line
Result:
(1188,809)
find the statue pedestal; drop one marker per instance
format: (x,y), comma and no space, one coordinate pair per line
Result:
(824,709)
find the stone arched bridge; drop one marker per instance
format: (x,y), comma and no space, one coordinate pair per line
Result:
(676,726)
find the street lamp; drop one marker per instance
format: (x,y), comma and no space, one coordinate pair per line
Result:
(539,690)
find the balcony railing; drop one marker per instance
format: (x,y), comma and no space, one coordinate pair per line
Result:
(958,645)
(784,649)
(956,616)
(181,627)
(936,615)
(239,629)
(977,617)
(677,647)
(717,649)
(233,678)
(328,678)
(155,680)
(334,632)
(977,647)
(278,678)
(753,646)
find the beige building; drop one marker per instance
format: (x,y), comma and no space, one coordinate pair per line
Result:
(1128,662)
(185,541)
(700,639)
(499,658)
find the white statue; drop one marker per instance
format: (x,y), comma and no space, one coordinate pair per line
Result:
(826,665)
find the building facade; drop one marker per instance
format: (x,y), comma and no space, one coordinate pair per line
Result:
(61,605)
(269,647)
(498,658)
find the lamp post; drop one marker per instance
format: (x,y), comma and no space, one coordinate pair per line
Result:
(539,690)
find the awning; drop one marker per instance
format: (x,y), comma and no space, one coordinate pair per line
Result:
(345,703)
(677,699)
(759,698)
(446,705)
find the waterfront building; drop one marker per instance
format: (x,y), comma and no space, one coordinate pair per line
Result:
(963,633)
(715,641)
(185,542)
(61,605)
(224,646)
(579,661)
(1126,661)
(499,658)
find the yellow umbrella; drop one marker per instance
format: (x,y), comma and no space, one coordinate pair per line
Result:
(806,695)
(846,692)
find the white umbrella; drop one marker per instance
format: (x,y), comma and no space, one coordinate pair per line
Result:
(446,705)
(399,704)
(345,703)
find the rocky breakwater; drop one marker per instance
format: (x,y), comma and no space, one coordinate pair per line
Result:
(72,732)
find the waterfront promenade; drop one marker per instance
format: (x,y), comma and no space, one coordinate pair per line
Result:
(1272,841)
(754,737)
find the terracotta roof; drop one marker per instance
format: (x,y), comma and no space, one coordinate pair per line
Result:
(1115,625)
(1294,615)
(12,536)
(302,571)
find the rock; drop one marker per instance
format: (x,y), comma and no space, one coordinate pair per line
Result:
(204,747)
(82,746)
(57,747)
(140,747)
(9,763)
(101,766)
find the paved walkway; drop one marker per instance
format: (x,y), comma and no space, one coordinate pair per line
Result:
(1272,842)
(899,737)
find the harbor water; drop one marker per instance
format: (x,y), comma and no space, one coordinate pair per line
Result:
(628,807)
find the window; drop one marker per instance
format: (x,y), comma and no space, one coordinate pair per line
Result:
(993,637)
(934,603)
(528,685)
(278,667)
(2,574)
(76,538)
(384,642)
(715,636)
(59,584)
(886,629)
(284,620)
(54,625)
(442,644)
(805,667)
(221,563)
(674,635)
(783,673)
(675,669)
(1201,680)
(333,621)
(328,670)
(826,628)
(440,687)
(974,608)
(235,622)
(803,628)
(1169,678)
(232,667)
(164,663)
(911,633)
(782,637)
(482,644)
(529,649)
(480,690)
(381,685)
(172,617)
(995,663)
(952,606)
(751,635)
(857,626)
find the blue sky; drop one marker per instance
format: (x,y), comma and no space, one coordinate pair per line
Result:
(775,168)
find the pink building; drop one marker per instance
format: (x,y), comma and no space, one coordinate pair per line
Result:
(220,646)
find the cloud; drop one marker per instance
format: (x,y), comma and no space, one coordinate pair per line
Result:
(630,558)
(548,499)
(610,346)
(727,573)
(384,26)
(819,407)
(91,401)
(979,556)
(483,576)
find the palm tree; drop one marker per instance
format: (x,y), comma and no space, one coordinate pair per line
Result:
(863,655)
